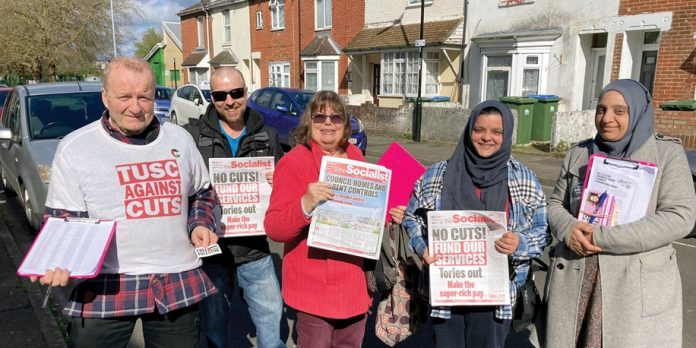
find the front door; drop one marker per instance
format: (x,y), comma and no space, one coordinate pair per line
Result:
(376,78)
(647,69)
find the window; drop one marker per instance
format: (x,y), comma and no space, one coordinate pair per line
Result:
(198,75)
(530,75)
(200,32)
(323,14)
(320,75)
(279,74)
(497,76)
(259,20)
(227,25)
(432,72)
(277,14)
(400,73)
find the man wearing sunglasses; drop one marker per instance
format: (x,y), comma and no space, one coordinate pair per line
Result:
(230,129)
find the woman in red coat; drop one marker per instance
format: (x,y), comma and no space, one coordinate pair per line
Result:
(327,289)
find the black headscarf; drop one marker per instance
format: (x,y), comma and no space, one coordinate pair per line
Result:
(467,170)
(641,119)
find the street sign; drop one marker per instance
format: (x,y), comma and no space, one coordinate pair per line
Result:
(420,43)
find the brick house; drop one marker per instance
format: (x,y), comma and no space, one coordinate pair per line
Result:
(196,40)
(230,36)
(663,60)
(300,43)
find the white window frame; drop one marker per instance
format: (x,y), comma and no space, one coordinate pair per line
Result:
(259,20)
(325,4)
(277,14)
(519,50)
(320,61)
(277,72)
(201,36)
(408,78)
(227,25)
(197,75)
(528,66)
(488,69)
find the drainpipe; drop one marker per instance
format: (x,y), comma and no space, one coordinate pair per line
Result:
(299,45)
(207,33)
(462,64)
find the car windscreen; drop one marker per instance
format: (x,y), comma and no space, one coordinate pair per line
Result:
(164,93)
(302,98)
(206,95)
(3,96)
(54,116)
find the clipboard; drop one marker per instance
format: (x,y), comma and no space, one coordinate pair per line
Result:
(77,244)
(405,172)
(616,190)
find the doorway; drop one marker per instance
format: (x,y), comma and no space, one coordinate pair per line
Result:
(376,82)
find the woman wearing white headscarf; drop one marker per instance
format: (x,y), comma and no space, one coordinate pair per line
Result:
(619,286)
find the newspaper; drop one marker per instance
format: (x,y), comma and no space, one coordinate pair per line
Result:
(244,194)
(353,222)
(469,271)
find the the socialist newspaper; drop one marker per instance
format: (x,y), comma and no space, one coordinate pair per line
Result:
(244,193)
(468,271)
(353,221)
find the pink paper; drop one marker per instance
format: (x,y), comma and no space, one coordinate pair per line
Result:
(405,171)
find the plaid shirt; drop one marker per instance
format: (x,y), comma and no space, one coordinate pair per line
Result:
(527,219)
(115,295)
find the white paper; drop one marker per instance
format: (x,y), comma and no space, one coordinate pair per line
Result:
(353,222)
(79,246)
(469,271)
(617,191)
(210,250)
(244,194)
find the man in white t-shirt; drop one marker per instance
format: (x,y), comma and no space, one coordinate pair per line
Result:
(149,178)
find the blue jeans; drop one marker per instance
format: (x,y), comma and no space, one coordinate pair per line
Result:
(259,283)
(262,294)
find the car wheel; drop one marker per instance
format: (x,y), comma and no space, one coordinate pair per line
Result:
(9,192)
(28,209)
(172,118)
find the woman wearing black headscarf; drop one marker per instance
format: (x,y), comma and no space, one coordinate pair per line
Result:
(482,175)
(619,286)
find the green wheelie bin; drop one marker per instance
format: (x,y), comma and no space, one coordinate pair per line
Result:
(546,105)
(525,108)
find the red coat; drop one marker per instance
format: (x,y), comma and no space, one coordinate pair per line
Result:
(315,281)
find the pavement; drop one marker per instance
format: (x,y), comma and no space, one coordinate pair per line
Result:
(24,323)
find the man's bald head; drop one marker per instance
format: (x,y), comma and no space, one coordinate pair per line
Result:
(225,73)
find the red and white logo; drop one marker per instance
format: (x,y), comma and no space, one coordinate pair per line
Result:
(152,189)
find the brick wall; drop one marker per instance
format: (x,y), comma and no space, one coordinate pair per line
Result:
(285,45)
(676,60)
(616,63)
(679,124)
(189,41)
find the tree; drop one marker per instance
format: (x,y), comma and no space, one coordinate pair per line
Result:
(50,38)
(151,37)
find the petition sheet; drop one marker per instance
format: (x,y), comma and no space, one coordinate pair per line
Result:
(244,194)
(469,271)
(353,222)
(616,191)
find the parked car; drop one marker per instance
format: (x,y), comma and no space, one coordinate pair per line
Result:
(4,91)
(282,108)
(36,118)
(189,101)
(163,101)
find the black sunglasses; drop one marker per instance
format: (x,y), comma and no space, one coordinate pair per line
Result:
(321,118)
(222,95)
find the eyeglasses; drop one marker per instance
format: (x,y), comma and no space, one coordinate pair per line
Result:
(222,95)
(321,118)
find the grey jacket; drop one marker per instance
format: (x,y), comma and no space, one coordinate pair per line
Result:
(641,286)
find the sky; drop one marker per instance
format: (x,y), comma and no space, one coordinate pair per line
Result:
(154,12)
